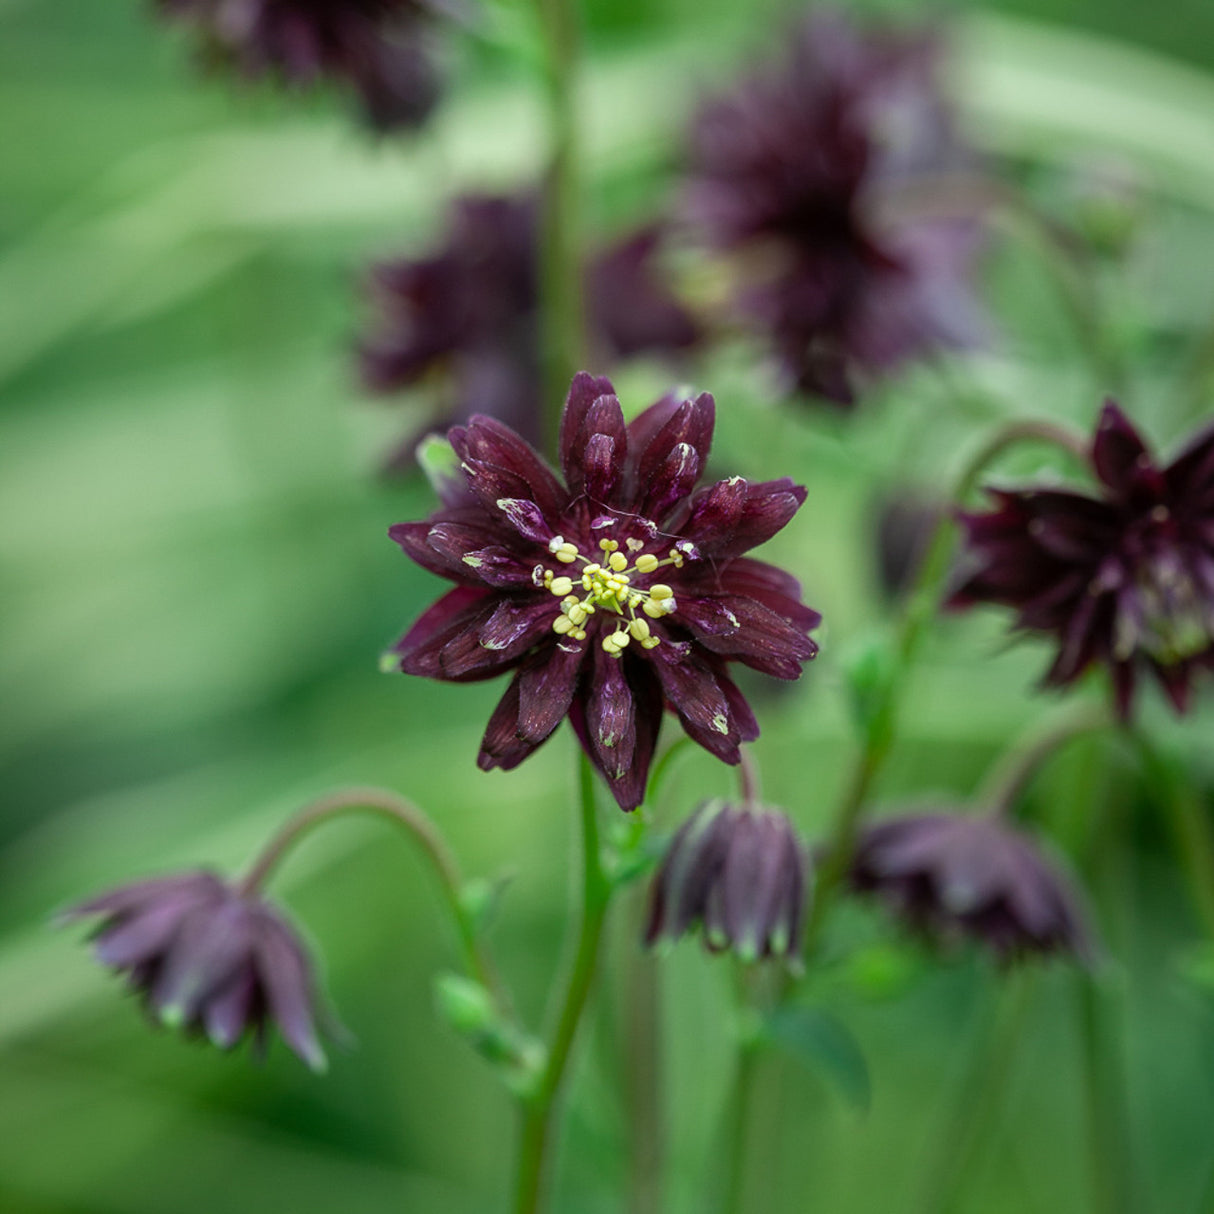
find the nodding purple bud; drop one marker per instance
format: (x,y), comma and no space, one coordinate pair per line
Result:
(952,876)
(210,959)
(741,875)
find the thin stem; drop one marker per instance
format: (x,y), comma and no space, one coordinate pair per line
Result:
(418,827)
(749,784)
(978,1097)
(1190,826)
(538,1111)
(560,257)
(1011,775)
(737,1146)
(918,610)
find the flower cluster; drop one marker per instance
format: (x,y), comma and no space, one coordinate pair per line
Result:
(954,876)
(376,47)
(211,959)
(740,874)
(468,314)
(612,595)
(807,173)
(1124,578)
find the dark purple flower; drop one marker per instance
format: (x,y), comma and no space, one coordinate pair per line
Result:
(740,874)
(467,316)
(208,958)
(611,595)
(954,876)
(807,173)
(377,47)
(1124,578)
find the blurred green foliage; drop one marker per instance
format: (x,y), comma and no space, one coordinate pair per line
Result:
(196,586)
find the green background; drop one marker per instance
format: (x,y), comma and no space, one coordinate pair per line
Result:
(195,585)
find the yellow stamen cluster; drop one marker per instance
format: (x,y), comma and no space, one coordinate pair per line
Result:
(609,586)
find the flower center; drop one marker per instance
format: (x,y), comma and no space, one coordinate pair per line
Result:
(607,587)
(1176,621)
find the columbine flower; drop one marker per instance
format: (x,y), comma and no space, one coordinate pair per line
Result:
(377,47)
(610,595)
(208,958)
(468,315)
(971,876)
(740,874)
(1124,578)
(806,173)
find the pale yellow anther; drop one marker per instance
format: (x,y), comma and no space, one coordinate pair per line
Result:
(653,610)
(611,645)
(639,629)
(566,557)
(577,614)
(591,570)
(647,563)
(608,545)
(660,591)
(621,639)
(650,643)
(634,545)
(579,634)
(560,586)
(570,600)
(562,624)
(618,561)
(556,543)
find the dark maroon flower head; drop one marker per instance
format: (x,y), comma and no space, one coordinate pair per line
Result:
(740,874)
(957,876)
(1123,578)
(611,595)
(210,959)
(377,47)
(468,315)
(807,173)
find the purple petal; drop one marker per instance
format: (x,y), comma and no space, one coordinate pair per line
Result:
(286,979)
(1118,453)
(583,392)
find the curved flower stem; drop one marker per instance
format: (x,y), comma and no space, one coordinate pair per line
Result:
(1010,776)
(1190,826)
(539,1107)
(560,259)
(419,828)
(741,1102)
(919,609)
(749,784)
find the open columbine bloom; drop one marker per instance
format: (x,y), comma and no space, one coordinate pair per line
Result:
(611,595)
(952,876)
(1124,578)
(376,46)
(209,958)
(807,174)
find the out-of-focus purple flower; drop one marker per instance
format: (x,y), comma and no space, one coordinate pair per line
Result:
(210,959)
(611,595)
(1124,578)
(811,173)
(904,525)
(740,874)
(467,316)
(379,48)
(953,876)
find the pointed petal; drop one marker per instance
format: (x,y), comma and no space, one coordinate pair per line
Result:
(583,392)
(1118,453)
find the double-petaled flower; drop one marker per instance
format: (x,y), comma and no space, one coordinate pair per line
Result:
(210,958)
(610,596)
(813,174)
(971,876)
(467,316)
(741,875)
(377,47)
(1123,578)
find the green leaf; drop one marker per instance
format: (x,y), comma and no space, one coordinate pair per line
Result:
(825,1046)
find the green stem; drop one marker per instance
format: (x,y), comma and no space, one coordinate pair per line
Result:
(979,1096)
(387,804)
(1010,776)
(918,610)
(539,1108)
(560,256)
(737,1147)
(1190,825)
